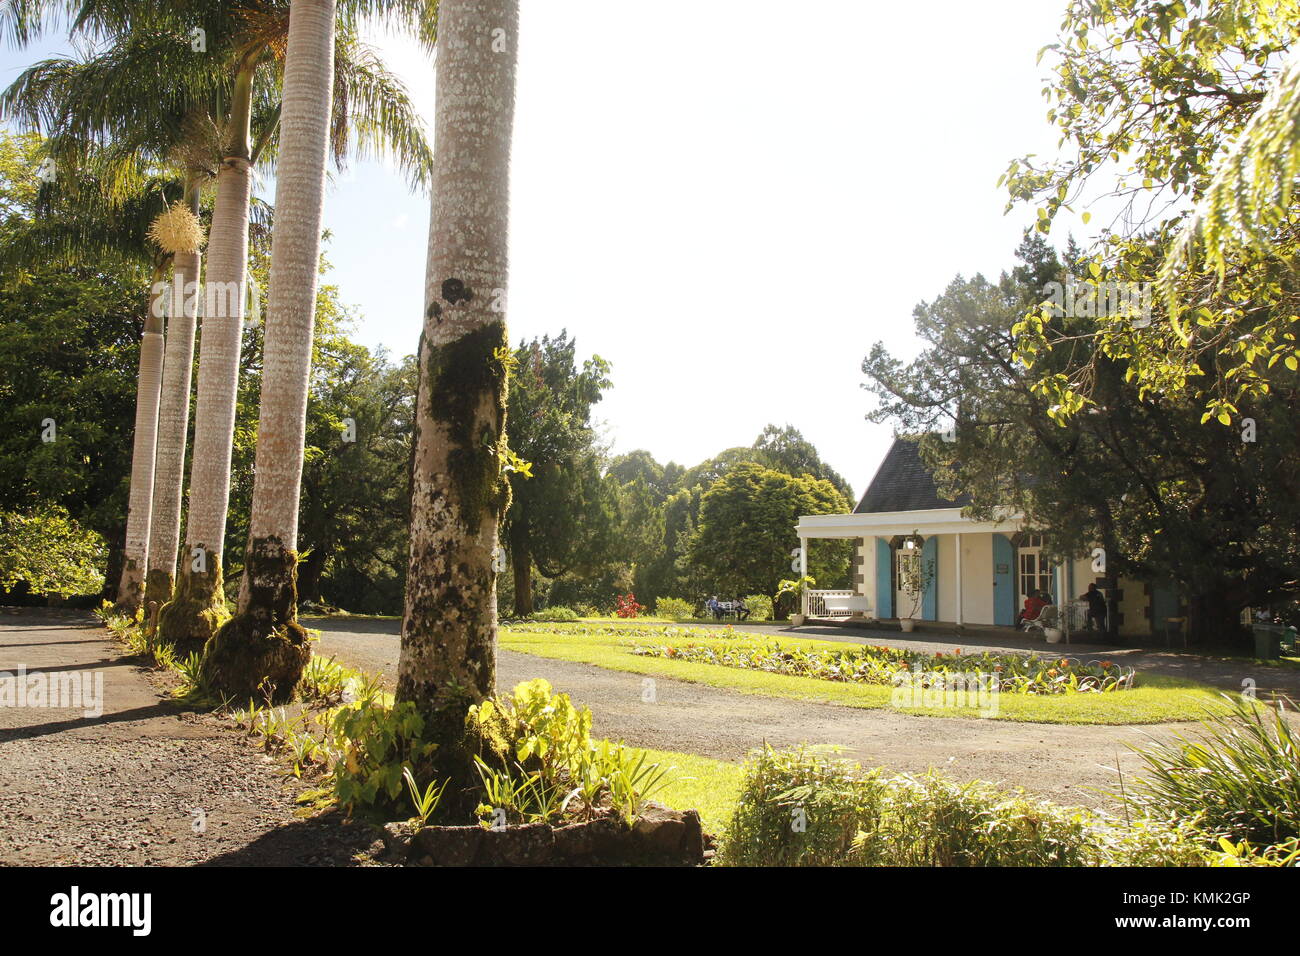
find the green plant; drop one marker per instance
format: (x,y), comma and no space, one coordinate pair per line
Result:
(325,680)
(1241,779)
(793,586)
(537,761)
(189,671)
(631,780)
(555,614)
(760,607)
(799,807)
(375,743)
(806,807)
(425,801)
(893,667)
(674,609)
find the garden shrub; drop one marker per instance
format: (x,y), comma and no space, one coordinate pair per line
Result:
(760,607)
(50,552)
(375,743)
(800,807)
(674,609)
(537,761)
(555,615)
(807,808)
(894,667)
(1240,779)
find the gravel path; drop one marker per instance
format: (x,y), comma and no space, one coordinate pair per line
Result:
(1064,763)
(124,788)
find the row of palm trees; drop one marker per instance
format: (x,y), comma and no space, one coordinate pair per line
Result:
(179,99)
(288,81)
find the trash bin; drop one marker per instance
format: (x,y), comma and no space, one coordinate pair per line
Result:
(1268,640)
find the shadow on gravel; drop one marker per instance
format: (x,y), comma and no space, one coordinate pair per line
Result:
(325,840)
(87,723)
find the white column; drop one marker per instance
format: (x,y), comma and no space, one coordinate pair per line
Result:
(959,615)
(803,573)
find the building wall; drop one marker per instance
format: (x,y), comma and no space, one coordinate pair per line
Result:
(946,573)
(977,578)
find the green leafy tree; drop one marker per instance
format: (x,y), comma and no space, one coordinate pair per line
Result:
(1138,474)
(747,530)
(560,516)
(785,449)
(1151,98)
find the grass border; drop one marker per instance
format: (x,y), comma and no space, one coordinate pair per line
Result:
(1154,698)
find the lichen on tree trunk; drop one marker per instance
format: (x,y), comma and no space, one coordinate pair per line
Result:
(263,647)
(261,652)
(458,491)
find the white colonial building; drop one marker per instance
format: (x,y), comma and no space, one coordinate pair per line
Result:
(977,572)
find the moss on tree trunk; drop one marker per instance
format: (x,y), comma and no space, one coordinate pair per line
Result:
(453,603)
(261,652)
(197,609)
(157,592)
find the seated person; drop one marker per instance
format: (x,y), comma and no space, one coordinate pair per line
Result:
(1034,605)
(741,610)
(713,607)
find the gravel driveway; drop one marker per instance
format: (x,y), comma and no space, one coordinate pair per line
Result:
(1064,763)
(123,789)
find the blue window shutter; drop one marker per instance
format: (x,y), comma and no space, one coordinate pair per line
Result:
(930,562)
(884,579)
(1004,592)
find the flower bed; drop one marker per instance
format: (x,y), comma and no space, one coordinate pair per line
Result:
(890,666)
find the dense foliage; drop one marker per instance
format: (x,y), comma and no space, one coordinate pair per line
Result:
(1169,497)
(808,808)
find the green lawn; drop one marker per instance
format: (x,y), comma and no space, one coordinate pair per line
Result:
(700,783)
(1153,699)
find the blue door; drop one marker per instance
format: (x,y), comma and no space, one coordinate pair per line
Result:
(930,562)
(1004,589)
(884,579)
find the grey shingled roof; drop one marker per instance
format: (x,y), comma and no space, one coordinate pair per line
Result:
(903,483)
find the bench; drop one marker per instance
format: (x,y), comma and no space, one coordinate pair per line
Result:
(854,606)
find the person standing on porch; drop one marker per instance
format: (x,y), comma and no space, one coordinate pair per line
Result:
(1096,607)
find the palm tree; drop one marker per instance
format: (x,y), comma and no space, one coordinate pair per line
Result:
(173,426)
(244,40)
(458,488)
(263,646)
(80,224)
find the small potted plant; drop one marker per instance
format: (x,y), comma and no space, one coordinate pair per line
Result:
(915,575)
(795,587)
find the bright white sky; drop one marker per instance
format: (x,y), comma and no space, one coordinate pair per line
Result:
(730,200)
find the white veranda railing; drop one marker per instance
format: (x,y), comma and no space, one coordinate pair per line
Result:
(815,603)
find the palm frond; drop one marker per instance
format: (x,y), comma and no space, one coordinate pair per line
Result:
(373,114)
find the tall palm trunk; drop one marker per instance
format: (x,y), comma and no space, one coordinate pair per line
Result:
(198,607)
(263,646)
(135,558)
(173,426)
(458,490)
